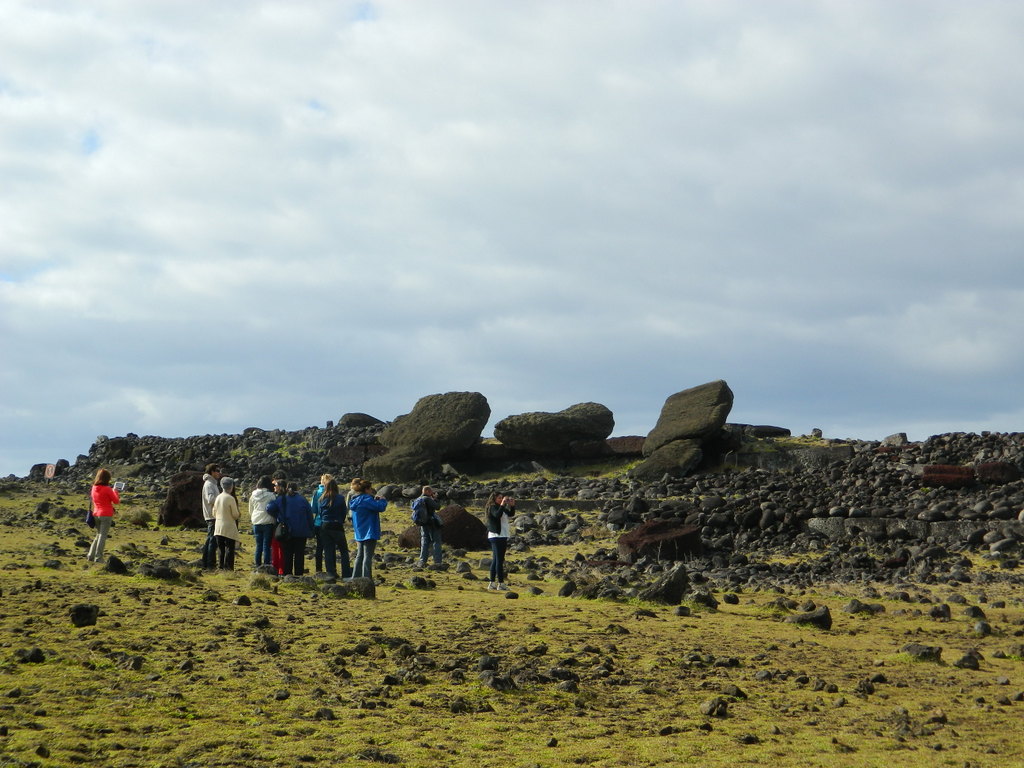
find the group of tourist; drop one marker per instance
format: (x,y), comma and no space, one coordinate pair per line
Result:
(283,520)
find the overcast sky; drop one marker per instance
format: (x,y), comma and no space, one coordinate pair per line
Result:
(216,215)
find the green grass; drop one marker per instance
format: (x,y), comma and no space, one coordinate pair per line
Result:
(383,670)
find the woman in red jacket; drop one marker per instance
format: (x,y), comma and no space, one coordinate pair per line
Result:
(103,500)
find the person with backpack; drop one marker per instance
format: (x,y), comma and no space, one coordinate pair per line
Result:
(365,506)
(424,514)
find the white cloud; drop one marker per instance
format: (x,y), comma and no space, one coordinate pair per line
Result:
(547,203)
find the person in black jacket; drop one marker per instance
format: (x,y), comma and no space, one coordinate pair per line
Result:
(330,505)
(500,510)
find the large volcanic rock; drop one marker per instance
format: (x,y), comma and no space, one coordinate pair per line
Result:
(688,420)
(541,432)
(693,414)
(660,539)
(439,426)
(349,420)
(184,502)
(462,530)
(677,459)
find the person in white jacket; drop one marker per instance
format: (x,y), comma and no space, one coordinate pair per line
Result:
(211,487)
(226,516)
(262,521)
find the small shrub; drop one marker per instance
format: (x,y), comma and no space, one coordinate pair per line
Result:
(140,518)
(261,581)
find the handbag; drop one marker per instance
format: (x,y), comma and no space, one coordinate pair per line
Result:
(90,518)
(281,532)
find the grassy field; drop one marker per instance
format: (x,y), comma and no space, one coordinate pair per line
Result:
(228,669)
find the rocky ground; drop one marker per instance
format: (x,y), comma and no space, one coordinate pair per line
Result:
(834,612)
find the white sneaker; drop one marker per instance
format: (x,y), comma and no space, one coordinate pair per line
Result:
(492,586)
(502,587)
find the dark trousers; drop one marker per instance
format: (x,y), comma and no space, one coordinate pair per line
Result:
(498,547)
(294,551)
(210,547)
(332,535)
(225,553)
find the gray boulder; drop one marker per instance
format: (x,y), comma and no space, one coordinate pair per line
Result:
(676,459)
(670,588)
(407,463)
(819,617)
(693,414)
(439,426)
(352,420)
(541,432)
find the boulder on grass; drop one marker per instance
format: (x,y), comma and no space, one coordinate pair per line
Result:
(819,617)
(669,589)
(184,502)
(462,530)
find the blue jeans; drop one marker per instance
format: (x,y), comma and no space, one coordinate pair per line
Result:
(363,566)
(333,537)
(430,542)
(210,547)
(263,533)
(498,546)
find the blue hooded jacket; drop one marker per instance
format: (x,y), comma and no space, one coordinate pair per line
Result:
(293,510)
(366,511)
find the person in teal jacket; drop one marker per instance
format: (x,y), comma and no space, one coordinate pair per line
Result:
(365,507)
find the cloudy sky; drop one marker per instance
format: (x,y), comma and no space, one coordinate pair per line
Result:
(233,214)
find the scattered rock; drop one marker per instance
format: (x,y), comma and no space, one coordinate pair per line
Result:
(84,614)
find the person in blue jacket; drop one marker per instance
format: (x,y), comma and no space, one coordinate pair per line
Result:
(294,511)
(365,506)
(330,507)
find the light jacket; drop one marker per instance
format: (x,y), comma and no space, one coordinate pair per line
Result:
(104,497)
(258,501)
(225,513)
(211,487)
(366,511)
